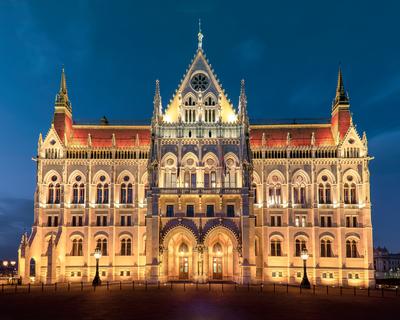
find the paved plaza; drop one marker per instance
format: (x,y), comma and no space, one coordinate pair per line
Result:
(191,302)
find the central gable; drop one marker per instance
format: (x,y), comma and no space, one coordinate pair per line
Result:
(199,82)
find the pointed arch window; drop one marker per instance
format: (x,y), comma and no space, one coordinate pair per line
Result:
(77,247)
(78,193)
(351,249)
(50,197)
(299,194)
(126,247)
(102,246)
(276,248)
(300,246)
(102,193)
(324,193)
(326,248)
(126,195)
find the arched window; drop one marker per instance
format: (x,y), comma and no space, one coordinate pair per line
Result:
(75,193)
(81,193)
(183,248)
(230,179)
(326,248)
(276,248)
(77,247)
(126,247)
(300,246)
(123,193)
(299,194)
(351,249)
(102,246)
(324,193)
(32,268)
(274,194)
(217,248)
(57,193)
(50,197)
(346,193)
(353,198)
(102,193)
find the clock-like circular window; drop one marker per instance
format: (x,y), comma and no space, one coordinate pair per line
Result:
(200,82)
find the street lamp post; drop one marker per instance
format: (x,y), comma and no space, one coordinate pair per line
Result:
(13,263)
(96,281)
(305,284)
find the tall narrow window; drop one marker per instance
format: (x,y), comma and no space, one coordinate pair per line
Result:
(50,198)
(57,193)
(276,248)
(300,246)
(123,193)
(213,179)
(75,193)
(210,210)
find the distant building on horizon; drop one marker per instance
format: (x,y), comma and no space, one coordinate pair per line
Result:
(387,264)
(201,194)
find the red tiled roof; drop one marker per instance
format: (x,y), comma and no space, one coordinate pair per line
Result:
(101,136)
(276,136)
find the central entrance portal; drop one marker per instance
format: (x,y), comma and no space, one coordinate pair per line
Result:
(183,268)
(217,268)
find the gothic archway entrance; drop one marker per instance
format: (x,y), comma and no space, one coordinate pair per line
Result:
(221,255)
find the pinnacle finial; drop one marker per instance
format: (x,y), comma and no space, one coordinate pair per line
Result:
(62,95)
(63,83)
(200,37)
(341,95)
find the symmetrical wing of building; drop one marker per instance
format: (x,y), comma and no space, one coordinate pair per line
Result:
(201,194)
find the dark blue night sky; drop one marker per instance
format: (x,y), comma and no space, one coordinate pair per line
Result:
(113,51)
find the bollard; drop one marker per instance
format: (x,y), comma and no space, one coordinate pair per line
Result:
(184,286)
(327,290)
(209,286)
(313,289)
(94,288)
(261,287)
(81,286)
(197,285)
(108,286)
(383,290)
(16,288)
(145,285)
(368,291)
(42,286)
(300,289)
(120,285)
(158,284)
(133,285)
(55,286)
(396,290)
(222,287)
(235,286)
(2,287)
(248,286)
(274,288)
(355,291)
(287,288)
(69,286)
(29,288)
(341,290)
(171,286)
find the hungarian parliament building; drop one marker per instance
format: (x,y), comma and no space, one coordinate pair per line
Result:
(201,194)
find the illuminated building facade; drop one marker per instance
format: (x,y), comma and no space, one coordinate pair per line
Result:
(201,194)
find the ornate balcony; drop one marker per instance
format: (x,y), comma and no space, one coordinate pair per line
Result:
(200,191)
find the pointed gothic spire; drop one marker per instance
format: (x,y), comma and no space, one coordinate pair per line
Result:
(243,100)
(62,95)
(200,37)
(63,83)
(157,101)
(341,96)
